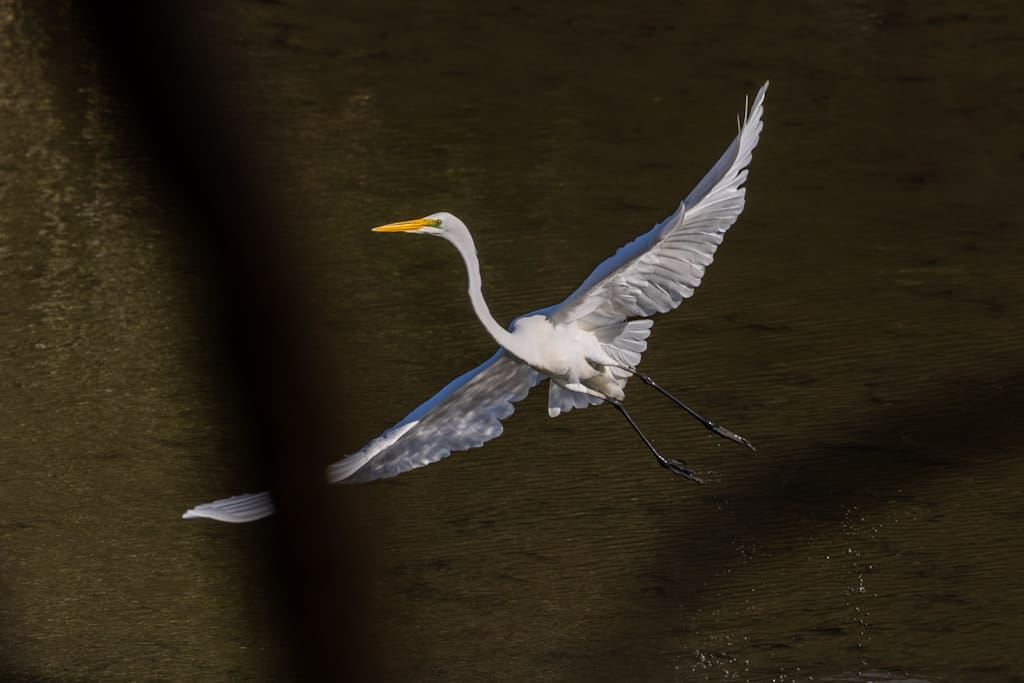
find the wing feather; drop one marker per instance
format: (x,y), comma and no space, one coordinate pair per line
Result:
(657,270)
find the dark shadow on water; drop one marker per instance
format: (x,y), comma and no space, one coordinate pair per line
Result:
(890,457)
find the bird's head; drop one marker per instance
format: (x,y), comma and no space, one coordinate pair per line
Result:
(440,224)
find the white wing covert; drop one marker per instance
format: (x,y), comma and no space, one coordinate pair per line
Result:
(656,271)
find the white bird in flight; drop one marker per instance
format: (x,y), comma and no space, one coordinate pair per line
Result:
(588,346)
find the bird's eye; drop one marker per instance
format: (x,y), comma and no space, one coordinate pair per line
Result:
(434,223)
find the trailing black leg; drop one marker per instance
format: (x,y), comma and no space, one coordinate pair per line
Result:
(717,429)
(673,466)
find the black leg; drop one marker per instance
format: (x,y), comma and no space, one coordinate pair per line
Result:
(717,429)
(673,466)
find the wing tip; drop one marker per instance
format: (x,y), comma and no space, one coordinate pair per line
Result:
(247,507)
(755,110)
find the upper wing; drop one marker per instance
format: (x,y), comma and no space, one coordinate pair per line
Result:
(465,414)
(656,271)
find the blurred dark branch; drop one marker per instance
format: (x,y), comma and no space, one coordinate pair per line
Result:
(161,65)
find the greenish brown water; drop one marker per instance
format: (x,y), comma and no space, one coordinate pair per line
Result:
(861,325)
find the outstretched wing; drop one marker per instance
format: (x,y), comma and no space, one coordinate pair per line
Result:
(656,271)
(465,414)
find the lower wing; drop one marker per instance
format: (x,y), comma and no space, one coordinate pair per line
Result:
(465,414)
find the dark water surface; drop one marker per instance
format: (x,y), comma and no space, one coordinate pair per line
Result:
(861,324)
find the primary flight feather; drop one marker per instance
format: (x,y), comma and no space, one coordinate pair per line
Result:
(588,346)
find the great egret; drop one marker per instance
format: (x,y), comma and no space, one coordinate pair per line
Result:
(587,346)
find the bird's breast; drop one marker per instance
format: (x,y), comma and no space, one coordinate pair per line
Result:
(561,352)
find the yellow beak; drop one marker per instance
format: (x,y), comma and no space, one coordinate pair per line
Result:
(406,226)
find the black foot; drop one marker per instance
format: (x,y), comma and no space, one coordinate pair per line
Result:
(673,466)
(708,424)
(729,434)
(676,467)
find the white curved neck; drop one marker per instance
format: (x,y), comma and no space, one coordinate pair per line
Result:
(476,296)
